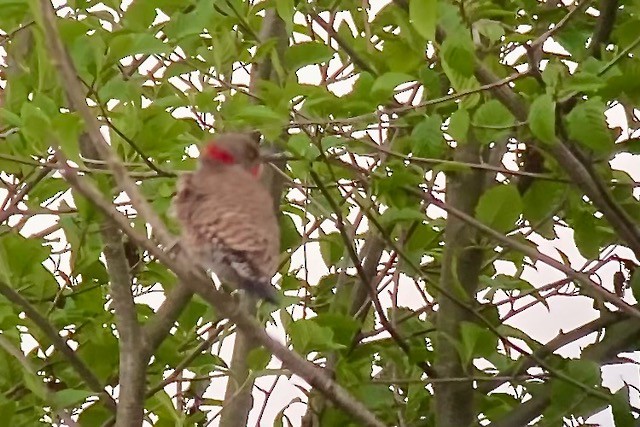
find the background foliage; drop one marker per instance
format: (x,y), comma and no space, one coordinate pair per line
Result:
(397,119)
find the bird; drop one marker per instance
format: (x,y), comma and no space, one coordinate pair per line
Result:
(227,218)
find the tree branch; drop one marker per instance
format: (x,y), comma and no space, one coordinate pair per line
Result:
(604,26)
(58,343)
(132,366)
(461,265)
(592,288)
(189,274)
(618,339)
(238,396)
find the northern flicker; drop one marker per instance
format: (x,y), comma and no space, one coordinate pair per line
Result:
(227,215)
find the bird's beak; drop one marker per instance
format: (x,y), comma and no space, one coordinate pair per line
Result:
(269,155)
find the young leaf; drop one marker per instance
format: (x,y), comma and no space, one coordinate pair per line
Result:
(459,125)
(423,15)
(542,119)
(492,121)
(587,125)
(500,207)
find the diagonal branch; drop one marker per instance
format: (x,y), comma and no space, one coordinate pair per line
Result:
(58,343)
(618,339)
(189,274)
(77,101)
(76,97)
(592,288)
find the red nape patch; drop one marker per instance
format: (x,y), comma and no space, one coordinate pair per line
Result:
(214,152)
(256,170)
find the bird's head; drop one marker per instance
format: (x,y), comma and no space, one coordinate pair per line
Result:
(233,149)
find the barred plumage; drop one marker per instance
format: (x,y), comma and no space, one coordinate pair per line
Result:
(227,216)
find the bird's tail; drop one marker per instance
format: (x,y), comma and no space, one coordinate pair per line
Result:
(261,289)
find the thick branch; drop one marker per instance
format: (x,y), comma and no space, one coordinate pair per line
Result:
(461,264)
(608,11)
(132,367)
(238,399)
(227,307)
(592,288)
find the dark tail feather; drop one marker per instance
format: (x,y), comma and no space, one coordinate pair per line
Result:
(263,290)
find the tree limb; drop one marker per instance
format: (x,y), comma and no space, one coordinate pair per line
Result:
(461,264)
(238,397)
(189,274)
(58,343)
(132,366)
(593,289)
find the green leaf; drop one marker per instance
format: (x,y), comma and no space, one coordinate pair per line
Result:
(306,336)
(621,410)
(68,127)
(140,15)
(394,215)
(500,207)
(584,82)
(457,55)
(385,84)
(331,248)
(286,9)
(374,396)
(289,235)
(258,359)
(459,126)
(424,15)
(123,45)
(426,137)
(300,144)
(542,199)
(553,74)
(307,53)
(260,114)
(34,383)
(587,125)
(585,371)
(35,125)
(588,233)
(70,397)
(476,341)
(492,122)
(542,119)
(507,283)
(490,29)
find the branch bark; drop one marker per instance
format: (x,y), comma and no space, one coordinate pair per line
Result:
(238,399)
(619,338)
(189,274)
(461,265)
(132,366)
(180,264)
